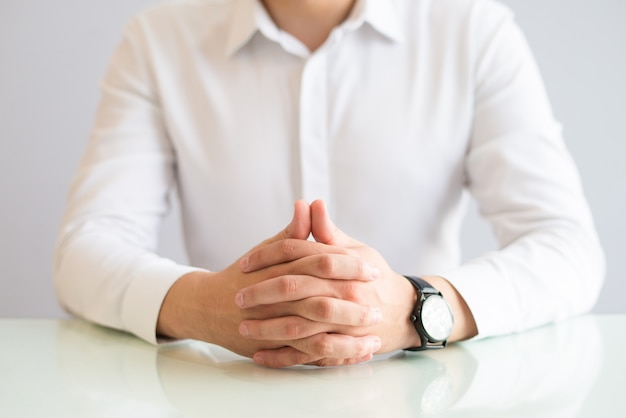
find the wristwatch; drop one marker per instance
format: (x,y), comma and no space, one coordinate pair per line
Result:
(431,316)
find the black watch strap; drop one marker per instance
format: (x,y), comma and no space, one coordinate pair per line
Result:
(424,290)
(422,285)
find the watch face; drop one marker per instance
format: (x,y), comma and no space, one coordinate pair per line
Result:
(437,318)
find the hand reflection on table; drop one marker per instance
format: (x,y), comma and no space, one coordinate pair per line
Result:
(545,372)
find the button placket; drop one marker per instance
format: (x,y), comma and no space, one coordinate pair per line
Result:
(314,141)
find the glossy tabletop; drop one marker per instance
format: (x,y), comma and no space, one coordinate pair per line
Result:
(68,368)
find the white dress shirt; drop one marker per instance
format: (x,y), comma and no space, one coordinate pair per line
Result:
(407,107)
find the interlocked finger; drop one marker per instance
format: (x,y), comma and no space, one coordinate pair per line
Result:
(321,349)
(290,288)
(283,251)
(311,316)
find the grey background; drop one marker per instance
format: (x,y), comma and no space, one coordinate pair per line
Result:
(52,55)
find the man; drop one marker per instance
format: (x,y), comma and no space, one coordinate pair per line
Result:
(381,114)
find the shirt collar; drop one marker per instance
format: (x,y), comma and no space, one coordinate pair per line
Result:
(250,16)
(383,16)
(242,26)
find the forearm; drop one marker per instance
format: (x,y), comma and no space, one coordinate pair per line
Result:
(550,264)
(542,277)
(101,278)
(198,307)
(177,318)
(106,269)
(201,305)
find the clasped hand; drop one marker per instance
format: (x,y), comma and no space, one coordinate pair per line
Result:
(339,304)
(291,301)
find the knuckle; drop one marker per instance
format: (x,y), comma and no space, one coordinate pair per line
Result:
(327,362)
(292,329)
(287,247)
(301,358)
(326,309)
(324,347)
(351,291)
(288,285)
(326,265)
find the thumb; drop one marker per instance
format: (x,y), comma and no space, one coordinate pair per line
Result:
(298,228)
(324,230)
(300,225)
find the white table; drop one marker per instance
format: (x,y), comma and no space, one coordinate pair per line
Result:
(68,368)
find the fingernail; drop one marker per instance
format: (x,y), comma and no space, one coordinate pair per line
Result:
(377,316)
(244,263)
(365,358)
(373,272)
(239,299)
(243,330)
(258,360)
(374,345)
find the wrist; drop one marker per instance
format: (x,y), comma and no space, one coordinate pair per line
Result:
(464,323)
(412,338)
(176,317)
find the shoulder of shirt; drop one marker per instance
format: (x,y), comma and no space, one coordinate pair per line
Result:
(182,24)
(464,7)
(186,6)
(191,13)
(466,16)
(453,10)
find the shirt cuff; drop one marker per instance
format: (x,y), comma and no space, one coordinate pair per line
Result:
(144,297)
(486,294)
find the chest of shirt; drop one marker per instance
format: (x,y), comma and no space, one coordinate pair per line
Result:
(348,106)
